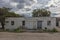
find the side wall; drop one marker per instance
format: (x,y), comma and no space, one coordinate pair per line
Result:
(59,23)
(30,23)
(44,22)
(17,23)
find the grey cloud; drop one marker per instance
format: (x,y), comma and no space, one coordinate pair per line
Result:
(20,6)
(29,2)
(23,3)
(27,9)
(43,2)
(3,4)
(20,1)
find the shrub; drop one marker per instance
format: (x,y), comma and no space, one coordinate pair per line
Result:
(45,28)
(54,30)
(19,30)
(48,30)
(7,29)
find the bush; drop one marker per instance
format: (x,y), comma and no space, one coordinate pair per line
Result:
(7,29)
(54,30)
(48,30)
(18,30)
(45,28)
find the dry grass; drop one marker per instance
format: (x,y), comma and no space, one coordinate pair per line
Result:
(29,36)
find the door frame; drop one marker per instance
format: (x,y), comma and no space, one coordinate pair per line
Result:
(38,24)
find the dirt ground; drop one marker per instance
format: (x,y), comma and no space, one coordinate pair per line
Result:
(29,36)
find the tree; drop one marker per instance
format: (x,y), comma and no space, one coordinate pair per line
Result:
(5,12)
(12,14)
(40,13)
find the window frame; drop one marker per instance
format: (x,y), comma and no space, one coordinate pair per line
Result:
(48,23)
(23,23)
(12,22)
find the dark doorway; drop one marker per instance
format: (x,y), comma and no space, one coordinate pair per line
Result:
(23,23)
(39,24)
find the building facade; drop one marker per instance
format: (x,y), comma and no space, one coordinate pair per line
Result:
(30,23)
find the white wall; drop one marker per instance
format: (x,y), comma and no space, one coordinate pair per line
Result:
(17,23)
(30,23)
(44,23)
(59,24)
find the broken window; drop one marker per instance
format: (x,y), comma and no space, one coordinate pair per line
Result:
(12,22)
(23,23)
(49,23)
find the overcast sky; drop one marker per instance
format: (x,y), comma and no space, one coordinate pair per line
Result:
(26,6)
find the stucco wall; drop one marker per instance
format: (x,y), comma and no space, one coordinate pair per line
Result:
(17,23)
(59,24)
(44,23)
(30,23)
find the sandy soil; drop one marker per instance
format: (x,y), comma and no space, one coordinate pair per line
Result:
(29,36)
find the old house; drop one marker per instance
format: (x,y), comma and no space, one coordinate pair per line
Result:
(30,23)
